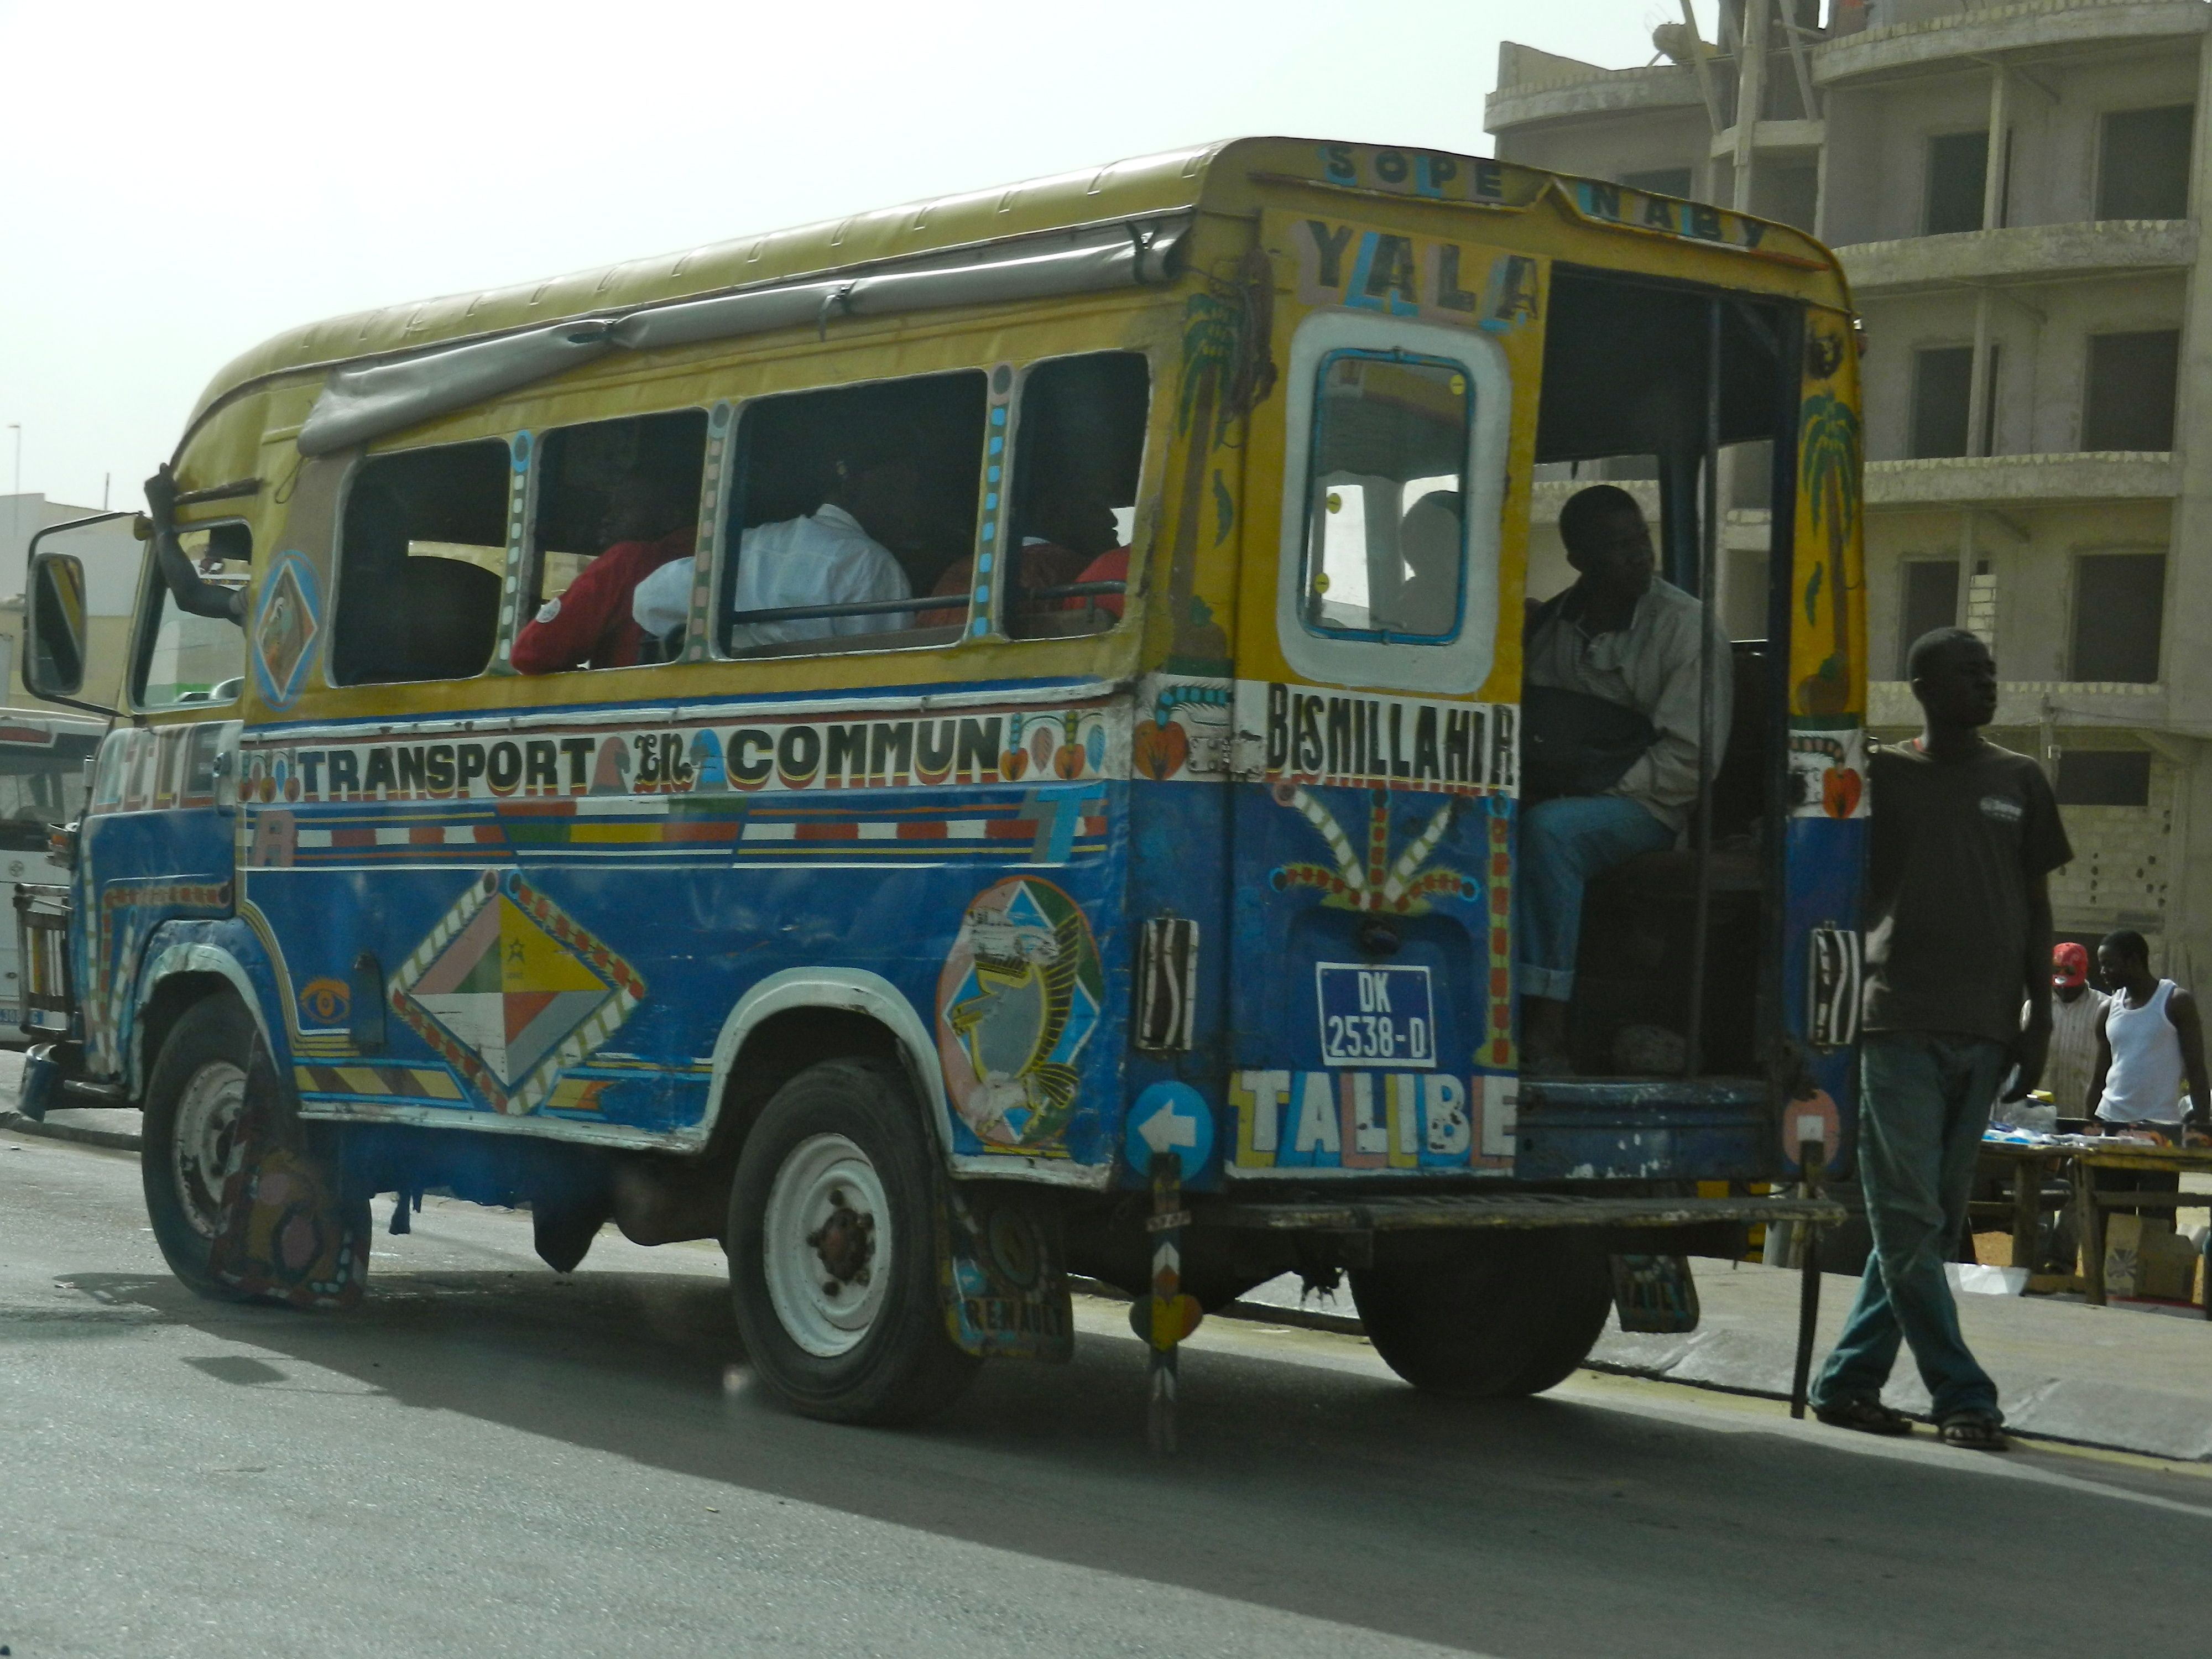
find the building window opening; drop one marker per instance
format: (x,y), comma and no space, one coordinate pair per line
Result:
(1958,178)
(1789,192)
(849,503)
(2127,401)
(1929,600)
(1660,181)
(188,658)
(1942,389)
(2119,614)
(2142,163)
(616,501)
(2103,777)
(421,551)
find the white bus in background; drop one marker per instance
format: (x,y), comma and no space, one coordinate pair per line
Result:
(43,763)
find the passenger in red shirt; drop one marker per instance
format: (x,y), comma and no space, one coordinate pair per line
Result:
(1067,527)
(589,625)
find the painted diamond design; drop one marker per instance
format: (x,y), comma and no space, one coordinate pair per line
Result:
(509,989)
(285,631)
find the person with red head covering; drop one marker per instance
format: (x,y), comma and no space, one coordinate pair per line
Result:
(2075,1007)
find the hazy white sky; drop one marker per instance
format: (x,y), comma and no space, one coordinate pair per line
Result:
(178,182)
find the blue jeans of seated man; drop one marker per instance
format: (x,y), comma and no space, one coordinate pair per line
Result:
(1923,1102)
(1564,843)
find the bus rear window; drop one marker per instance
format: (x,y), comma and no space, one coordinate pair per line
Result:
(1386,523)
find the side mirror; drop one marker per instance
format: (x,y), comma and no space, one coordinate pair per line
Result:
(54,626)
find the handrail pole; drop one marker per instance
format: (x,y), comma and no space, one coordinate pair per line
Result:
(1708,584)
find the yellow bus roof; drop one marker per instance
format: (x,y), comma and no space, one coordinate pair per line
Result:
(1170,182)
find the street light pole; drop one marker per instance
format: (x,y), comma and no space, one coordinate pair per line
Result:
(15,492)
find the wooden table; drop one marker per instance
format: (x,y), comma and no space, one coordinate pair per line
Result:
(2090,1205)
(2029,1165)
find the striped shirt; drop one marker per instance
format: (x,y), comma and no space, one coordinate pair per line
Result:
(2073,1062)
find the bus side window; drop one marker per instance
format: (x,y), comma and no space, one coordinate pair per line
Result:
(1078,447)
(196,659)
(626,492)
(422,556)
(849,505)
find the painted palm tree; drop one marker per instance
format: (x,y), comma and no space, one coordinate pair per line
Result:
(1828,463)
(1401,887)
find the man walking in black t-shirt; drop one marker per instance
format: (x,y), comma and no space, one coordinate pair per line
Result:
(1965,836)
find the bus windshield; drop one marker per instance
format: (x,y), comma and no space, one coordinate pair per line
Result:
(41,783)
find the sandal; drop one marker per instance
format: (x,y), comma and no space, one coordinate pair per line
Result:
(1975,1432)
(1868,1416)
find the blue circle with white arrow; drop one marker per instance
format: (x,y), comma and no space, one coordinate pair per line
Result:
(1168,1117)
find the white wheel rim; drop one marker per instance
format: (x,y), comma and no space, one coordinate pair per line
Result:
(209,1144)
(826,1245)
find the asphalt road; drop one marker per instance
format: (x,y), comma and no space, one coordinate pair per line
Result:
(488,1459)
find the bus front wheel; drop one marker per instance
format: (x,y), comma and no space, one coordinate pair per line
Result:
(1487,1316)
(197,1136)
(832,1249)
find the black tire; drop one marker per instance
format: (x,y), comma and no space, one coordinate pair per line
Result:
(210,1034)
(1487,1316)
(213,1037)
(902,1363)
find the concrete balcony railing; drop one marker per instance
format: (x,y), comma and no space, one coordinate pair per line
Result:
(2046,26)
(2073,705)
(1538,86)
(2021,253)
(2022,480)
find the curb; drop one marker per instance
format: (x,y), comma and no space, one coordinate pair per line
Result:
(15,1124)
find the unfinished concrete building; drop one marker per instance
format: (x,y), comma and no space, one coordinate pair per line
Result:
(2018,194)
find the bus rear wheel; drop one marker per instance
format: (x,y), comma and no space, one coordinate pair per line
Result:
(833,1250)
(1487,1316)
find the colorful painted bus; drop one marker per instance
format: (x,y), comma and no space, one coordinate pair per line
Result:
(1125,794)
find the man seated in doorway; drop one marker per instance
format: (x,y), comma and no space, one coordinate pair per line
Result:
(833,555)
(649,524)
(1610,741)
(1065,530)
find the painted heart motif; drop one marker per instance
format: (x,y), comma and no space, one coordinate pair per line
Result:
(1839,791)
(1158,751)
(1068,760)
(1162,1326)
(1013,762)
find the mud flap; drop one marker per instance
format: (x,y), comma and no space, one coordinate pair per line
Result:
(1654,1294)
(1002,1276)
(288,1236)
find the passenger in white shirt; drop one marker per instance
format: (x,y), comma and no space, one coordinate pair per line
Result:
(828,557)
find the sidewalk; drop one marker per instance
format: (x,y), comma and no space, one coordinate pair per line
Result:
(2133,1377)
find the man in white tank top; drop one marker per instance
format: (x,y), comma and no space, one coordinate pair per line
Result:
(2149,1040)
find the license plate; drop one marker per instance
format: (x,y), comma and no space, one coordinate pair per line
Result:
(1371,1014)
